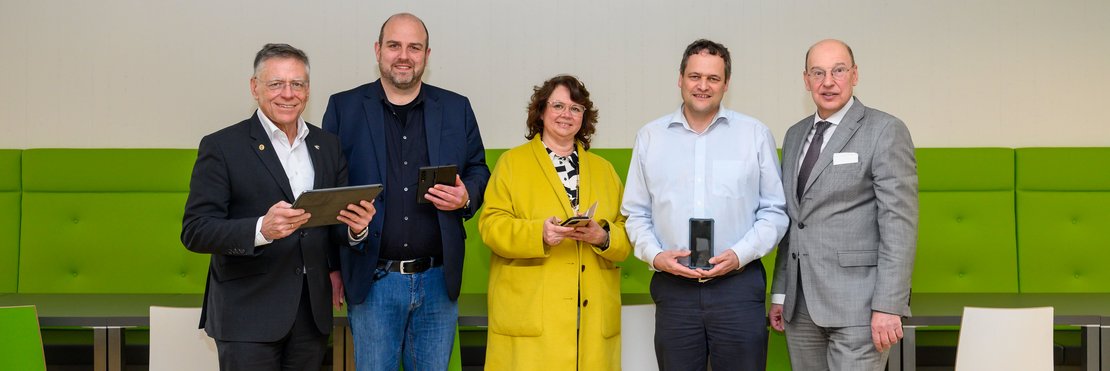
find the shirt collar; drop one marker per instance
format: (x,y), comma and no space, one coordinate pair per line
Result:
(836,117)
(275,132)
(679,118)
(415,102)
(573,152)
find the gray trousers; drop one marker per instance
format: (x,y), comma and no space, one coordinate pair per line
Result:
(816,348)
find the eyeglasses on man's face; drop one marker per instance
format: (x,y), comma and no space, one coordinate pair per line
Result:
(575,109)
(839,73)
(278,85)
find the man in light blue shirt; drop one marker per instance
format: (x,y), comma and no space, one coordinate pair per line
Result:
(707,162)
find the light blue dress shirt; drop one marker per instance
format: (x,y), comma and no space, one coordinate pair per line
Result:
(730,173)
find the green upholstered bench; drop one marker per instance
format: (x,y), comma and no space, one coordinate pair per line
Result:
(1063,195)
(991,220)
(965,240)
(966,227)
(106,221)
(10,195)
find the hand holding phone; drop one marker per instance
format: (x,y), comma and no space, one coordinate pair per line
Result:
(701,243)
(432,175)
(580,220)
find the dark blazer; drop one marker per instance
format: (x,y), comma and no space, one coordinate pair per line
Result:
(356,116)
(854,232)
(252,294)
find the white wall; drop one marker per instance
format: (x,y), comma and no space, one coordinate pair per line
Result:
(131,73)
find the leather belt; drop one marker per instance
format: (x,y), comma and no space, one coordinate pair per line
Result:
(418,265)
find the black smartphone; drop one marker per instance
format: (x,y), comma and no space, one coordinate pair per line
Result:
(581,220)
(432,175)
(701,243)
(576,221)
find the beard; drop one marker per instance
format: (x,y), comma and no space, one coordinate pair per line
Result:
(402,81)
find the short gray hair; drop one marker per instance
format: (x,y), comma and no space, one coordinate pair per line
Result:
(270,51)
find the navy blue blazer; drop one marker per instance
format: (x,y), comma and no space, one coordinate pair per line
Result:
(357,117)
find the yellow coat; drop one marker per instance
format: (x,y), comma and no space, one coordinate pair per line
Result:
(535,290)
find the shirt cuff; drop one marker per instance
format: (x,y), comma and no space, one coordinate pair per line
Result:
(651,253)
(778,299)
(604,246)
(259,239)
(354,239)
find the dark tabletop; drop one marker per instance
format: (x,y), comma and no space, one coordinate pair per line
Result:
(928,309)
(126,310)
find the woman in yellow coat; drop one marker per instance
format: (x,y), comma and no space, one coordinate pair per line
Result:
(554,292)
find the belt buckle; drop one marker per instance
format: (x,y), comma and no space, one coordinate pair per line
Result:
(705,279)
(401,266)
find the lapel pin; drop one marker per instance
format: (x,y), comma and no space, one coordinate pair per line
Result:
(261,147)
(317,146)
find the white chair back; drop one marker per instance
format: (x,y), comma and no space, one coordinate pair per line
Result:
(1005,339)
(638,338)
(176,344)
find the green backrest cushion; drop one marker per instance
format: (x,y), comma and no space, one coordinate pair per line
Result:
(9,219)
(635,274)
(1063,198)
(107,221)
(20,342)
(475,278)
(966,221)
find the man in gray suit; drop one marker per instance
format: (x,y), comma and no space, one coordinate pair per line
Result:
(842,276)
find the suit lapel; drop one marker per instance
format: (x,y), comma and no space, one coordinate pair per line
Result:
(585,192)
(793,142)
(844,132)
(544,161)
(317,161)
(375,121)
(265,151)
(433,124)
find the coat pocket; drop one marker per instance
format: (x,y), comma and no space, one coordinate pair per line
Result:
(516,301)
(235,267)
(860,258)
(611,302)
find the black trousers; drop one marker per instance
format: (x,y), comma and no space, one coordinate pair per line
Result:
(302,349)
(722,321)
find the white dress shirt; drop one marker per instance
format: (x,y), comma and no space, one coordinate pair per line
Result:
(294,160)
(729,173)
(834,120)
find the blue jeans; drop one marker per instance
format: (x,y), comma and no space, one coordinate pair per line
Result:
(405,316)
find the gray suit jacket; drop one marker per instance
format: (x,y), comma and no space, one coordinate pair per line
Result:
(853,234)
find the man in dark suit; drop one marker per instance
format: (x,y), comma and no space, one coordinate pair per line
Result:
(842,275)
(402,283)
(268,290)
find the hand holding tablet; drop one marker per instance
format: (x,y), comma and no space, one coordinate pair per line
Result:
(325,204)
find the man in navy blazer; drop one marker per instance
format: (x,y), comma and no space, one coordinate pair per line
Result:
(267,294)
(402,282)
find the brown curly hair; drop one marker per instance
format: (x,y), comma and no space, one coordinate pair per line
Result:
(578,94)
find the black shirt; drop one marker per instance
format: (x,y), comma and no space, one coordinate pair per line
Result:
(410,229)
